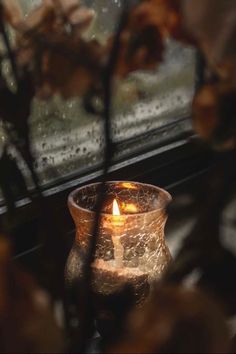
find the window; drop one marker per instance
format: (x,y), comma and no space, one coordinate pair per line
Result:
(68,141)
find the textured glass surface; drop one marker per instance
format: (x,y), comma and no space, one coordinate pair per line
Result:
(66,140)
(131,246)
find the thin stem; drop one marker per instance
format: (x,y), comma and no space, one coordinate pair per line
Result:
(86,313)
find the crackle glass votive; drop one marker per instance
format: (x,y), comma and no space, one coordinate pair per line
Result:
(131,248)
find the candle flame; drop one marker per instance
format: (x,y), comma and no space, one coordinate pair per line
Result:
(115,208)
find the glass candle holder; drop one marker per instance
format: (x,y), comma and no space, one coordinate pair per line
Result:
(131,249)
(131,243)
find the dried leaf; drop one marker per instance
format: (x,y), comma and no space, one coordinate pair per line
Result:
(175,320)
(141,42)
(140,50)
(12,12)
(212,23)
(166,15)
(77,61)
(214,115)
(26,320)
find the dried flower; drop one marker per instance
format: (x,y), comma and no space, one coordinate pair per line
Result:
(12,12)
(167,16)
(59,58)
(212,23)
(214,115)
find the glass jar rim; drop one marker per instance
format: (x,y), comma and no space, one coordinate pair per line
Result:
(74,193)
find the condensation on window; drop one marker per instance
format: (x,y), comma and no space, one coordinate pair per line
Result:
(66,140)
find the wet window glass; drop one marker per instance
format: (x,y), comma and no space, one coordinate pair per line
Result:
(149,108)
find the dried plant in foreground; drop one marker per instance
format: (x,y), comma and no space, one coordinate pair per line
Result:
(176,320)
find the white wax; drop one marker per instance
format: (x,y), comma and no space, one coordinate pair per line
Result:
(118,251)
(112,266)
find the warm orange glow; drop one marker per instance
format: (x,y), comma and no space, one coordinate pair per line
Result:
(128,185)
(129,208)
(115,208)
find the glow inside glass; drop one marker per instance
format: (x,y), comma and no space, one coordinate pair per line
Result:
(131,247)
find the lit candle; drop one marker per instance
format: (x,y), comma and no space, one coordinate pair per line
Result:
(131,247)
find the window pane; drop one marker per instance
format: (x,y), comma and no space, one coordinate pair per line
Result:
(68,139)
